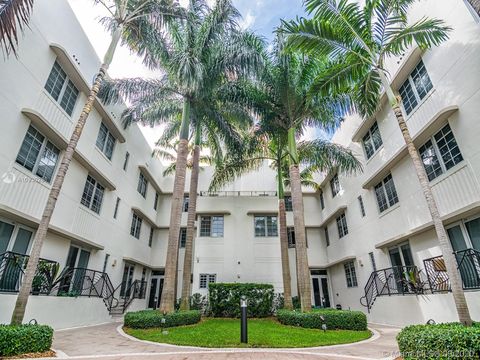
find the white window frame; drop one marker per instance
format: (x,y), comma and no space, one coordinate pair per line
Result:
(267,229)
(395,200)
(350,274)
(211,234)
(103,146)
(371,133)
(61,94)
(288,207)
(335,186)
(415,90)
(206,279)
(13,236)
(142,186)
(97,189)
(182,238)
(136,226)
(342,225)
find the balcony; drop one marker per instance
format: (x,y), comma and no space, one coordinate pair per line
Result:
(238,193)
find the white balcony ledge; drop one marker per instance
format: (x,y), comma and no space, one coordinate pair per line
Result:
(61,142)
(71,68)
(137,262)
(333,215)
(432,126)
(144,216)
(341,261)
(151,179)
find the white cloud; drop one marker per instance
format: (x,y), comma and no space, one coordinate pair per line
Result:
(247,21)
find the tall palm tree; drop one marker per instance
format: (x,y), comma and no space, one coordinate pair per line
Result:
(282,99)
(14,16)
(193,54)
(358,39)
(128,21)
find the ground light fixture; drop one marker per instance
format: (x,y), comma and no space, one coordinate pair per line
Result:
(243,321)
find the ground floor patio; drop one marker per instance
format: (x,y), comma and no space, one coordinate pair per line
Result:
(108,341)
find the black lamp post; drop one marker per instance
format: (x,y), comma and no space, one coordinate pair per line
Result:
(243,326)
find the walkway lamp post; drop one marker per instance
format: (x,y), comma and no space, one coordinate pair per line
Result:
(243,326)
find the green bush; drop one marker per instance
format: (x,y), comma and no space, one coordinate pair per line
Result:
(224,299)
(441,341)
(145,319)
(23,339)
(334,319)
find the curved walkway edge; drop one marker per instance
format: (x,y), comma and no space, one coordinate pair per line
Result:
(109,341)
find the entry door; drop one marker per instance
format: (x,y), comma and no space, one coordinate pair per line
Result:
(320,293)
(156,287)
(127,279)
(82,265)
(76,258)
(402,263)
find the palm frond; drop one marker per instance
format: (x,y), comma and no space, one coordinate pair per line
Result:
(14,16)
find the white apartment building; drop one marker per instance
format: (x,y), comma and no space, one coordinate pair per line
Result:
(371,243)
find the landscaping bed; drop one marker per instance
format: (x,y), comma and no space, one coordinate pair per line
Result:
(145,319)
(262,333)
(24,339)
(333,319)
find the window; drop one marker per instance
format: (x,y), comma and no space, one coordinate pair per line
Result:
(211,226)
(105,141)
(265,226)
(342,225)
(150,237)
(125,162)
(350,274)
(155,202)
(288,203)
(92,196)
(183,237)
(291,237)
(362,207)
(186,201)
(327,236)
(136,226)
(38,155)
(372,261)
(335,185)
(14,238)
(322,200)
(117,204)
(415,88)
(142,185)
(440,153)
(386,193)
(372,141)
(206,279)
(61,88)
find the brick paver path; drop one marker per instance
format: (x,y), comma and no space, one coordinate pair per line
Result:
(106,342)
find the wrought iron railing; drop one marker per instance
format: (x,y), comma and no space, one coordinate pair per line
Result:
(12,270)
(437,274)
(136,290)
(469,266)
(397,280)
(237,193)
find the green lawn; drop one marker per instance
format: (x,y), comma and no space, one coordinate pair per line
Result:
(261,333)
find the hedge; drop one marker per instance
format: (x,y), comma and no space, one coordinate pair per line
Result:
(440,341)
(334,319)
(145,319)
(23,339)
(224,299)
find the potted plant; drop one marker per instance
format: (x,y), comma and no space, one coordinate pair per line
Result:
(37,284)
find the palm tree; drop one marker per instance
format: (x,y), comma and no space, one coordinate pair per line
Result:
(280,98)
(14,16)
(194,54)
(129,21)
(358,39)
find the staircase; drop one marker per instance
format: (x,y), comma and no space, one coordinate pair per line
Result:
(136,290)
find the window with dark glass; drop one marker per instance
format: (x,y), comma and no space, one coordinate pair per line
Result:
(350,274)
(415,88)
(372,141)
(335,185)
(342,225)
(117,204)
(362,206)
(440,153)
(386,193)
(38,155)
(125,162)
(92,196)
(155,202)
(327,236)
(206,279)
(186,201)
(211,226)
(288,203)
(183,237)
(105,141)
(142,185)
(291,237)
(150,237)
(136,226)
(265,226)
(322,200)
(61,88)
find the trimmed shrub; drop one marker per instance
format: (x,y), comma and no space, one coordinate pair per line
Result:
(334,319)
(441,341)
(145,319)
(224,299)
(23,339)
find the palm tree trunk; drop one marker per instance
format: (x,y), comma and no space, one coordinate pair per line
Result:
(445,245)
(287,280)
(475,4)
(41,233)
(167,302)
(192,211)
(303,271)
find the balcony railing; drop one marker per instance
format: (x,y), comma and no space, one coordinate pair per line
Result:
(12,270)
(237,193)
(397,280)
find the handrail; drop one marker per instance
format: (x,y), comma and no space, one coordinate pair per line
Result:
(136,290)
(469,266)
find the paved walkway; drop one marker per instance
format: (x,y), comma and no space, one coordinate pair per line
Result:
(109,342)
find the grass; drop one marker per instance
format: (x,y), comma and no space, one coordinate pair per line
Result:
(262,333)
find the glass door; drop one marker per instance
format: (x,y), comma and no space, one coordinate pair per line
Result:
(127,279)
(80,271)
(402,268)
(156,287)
(320,293)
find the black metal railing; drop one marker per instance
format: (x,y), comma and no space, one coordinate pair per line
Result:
(396,280)
(437,275)
(237,193)
(468,261)
(136,290)
(12,271)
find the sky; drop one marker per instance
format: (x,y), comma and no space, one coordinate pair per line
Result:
(261,16)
